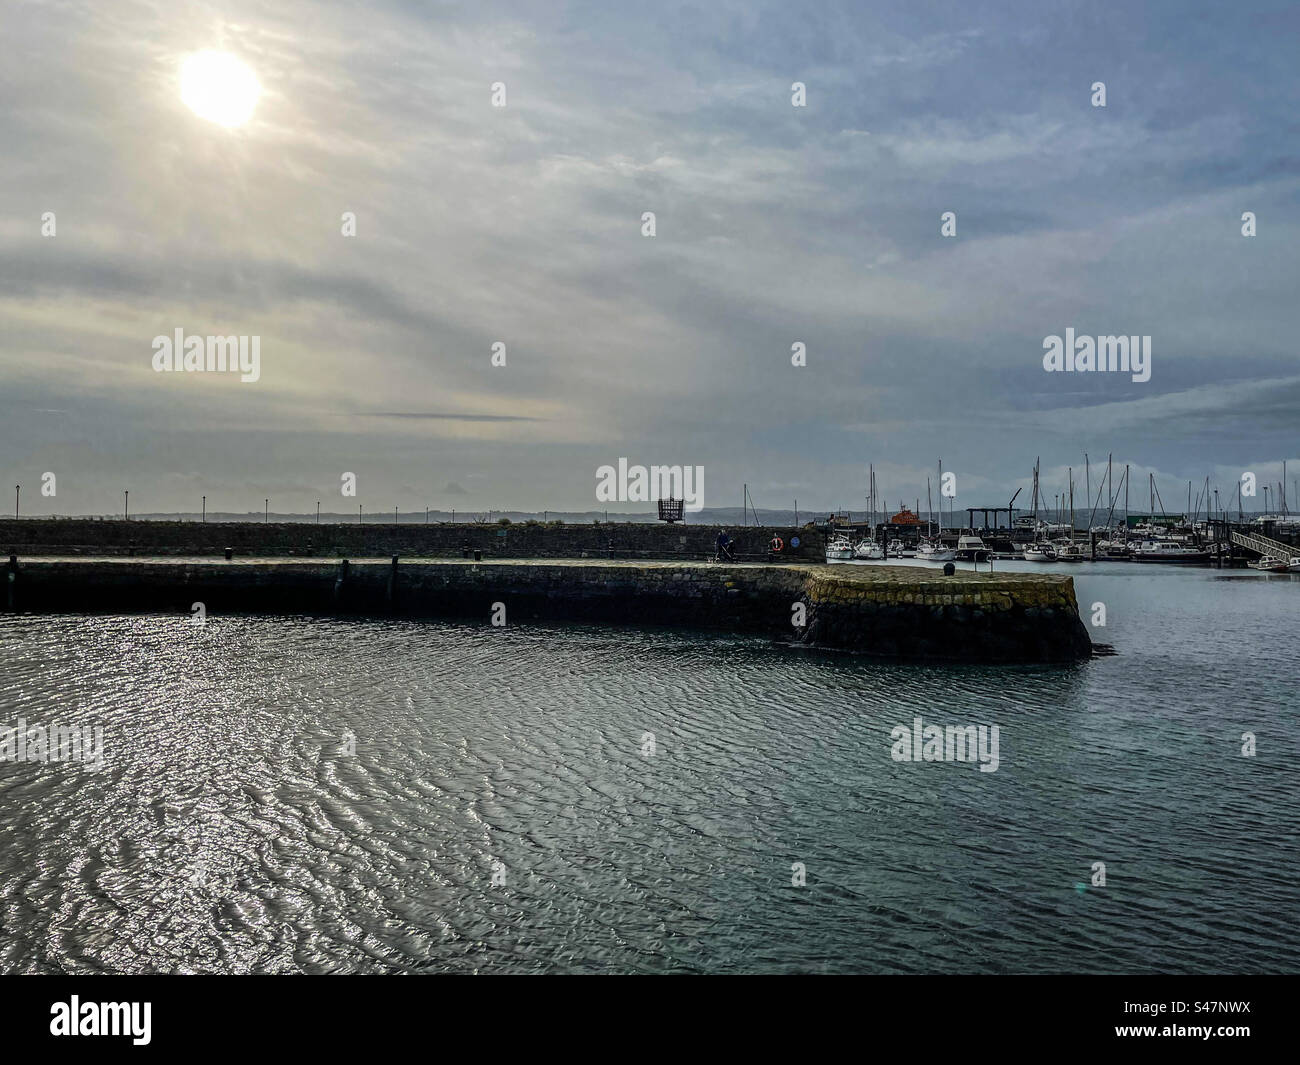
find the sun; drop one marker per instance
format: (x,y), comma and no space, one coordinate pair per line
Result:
(218,87)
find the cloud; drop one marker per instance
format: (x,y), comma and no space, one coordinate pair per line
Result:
(521,225)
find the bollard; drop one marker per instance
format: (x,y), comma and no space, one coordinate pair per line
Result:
(949,569)
(478,555)
(392,582)
(230,553)
(340,580)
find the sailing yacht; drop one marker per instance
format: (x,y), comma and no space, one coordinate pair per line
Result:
(868,549)
(1041,551)
(1073,552)
(934,551)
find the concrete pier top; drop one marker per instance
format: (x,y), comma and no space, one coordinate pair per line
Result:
(890,611)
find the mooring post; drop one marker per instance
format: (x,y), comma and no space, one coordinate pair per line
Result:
(11,581)
(392,582)
(340,581)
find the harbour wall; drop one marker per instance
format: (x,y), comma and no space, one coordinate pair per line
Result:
(628,540)
(889,612)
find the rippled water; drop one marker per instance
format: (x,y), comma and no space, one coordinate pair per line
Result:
(232,830)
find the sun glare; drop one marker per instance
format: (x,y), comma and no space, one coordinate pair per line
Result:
(218,87)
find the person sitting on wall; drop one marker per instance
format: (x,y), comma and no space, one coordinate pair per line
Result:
(724,542)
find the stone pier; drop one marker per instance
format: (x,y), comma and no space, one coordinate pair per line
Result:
(887,611)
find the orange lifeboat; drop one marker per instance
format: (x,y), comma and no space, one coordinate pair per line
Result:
(905,517)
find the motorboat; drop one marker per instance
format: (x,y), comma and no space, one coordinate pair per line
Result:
(971,549)
(839,548)
(934,551)
(898,549)
(868,549)
(1041,551)
(1169,551)
(1293,566)
(1269,564)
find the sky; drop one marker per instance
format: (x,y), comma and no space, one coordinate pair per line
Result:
(522,225)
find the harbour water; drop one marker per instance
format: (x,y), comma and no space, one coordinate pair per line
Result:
(290,794)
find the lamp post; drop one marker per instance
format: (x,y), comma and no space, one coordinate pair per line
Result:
(358,513)
(318,512)
(126,505)
(17,491)
(205,509)
(266,513)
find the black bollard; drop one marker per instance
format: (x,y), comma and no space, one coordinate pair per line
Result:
(230,553)
(478,555)
(949,569)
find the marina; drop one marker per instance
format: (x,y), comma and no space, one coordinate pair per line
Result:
(1203,535)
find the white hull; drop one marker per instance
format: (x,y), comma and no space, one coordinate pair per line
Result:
(868,550)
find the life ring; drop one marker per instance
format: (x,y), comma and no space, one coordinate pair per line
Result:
(777,544)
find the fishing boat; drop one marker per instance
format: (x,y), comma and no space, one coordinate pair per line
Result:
(839,548)
(1269,564)
(1168,551)
(934,551)
(868,549)
(971,549)
(1041,551)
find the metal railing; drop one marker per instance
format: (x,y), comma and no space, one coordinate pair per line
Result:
(1263,545)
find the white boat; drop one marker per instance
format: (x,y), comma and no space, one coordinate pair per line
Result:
(1073,552)
(897,549)
(1164,550)
(934,551)
(839,549)
(1115,549)
(1293,566)
(1269,564)
(972,549)
(868,549)
(1040,552)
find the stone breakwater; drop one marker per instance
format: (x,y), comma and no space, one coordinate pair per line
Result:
(83,537)
(887,611)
